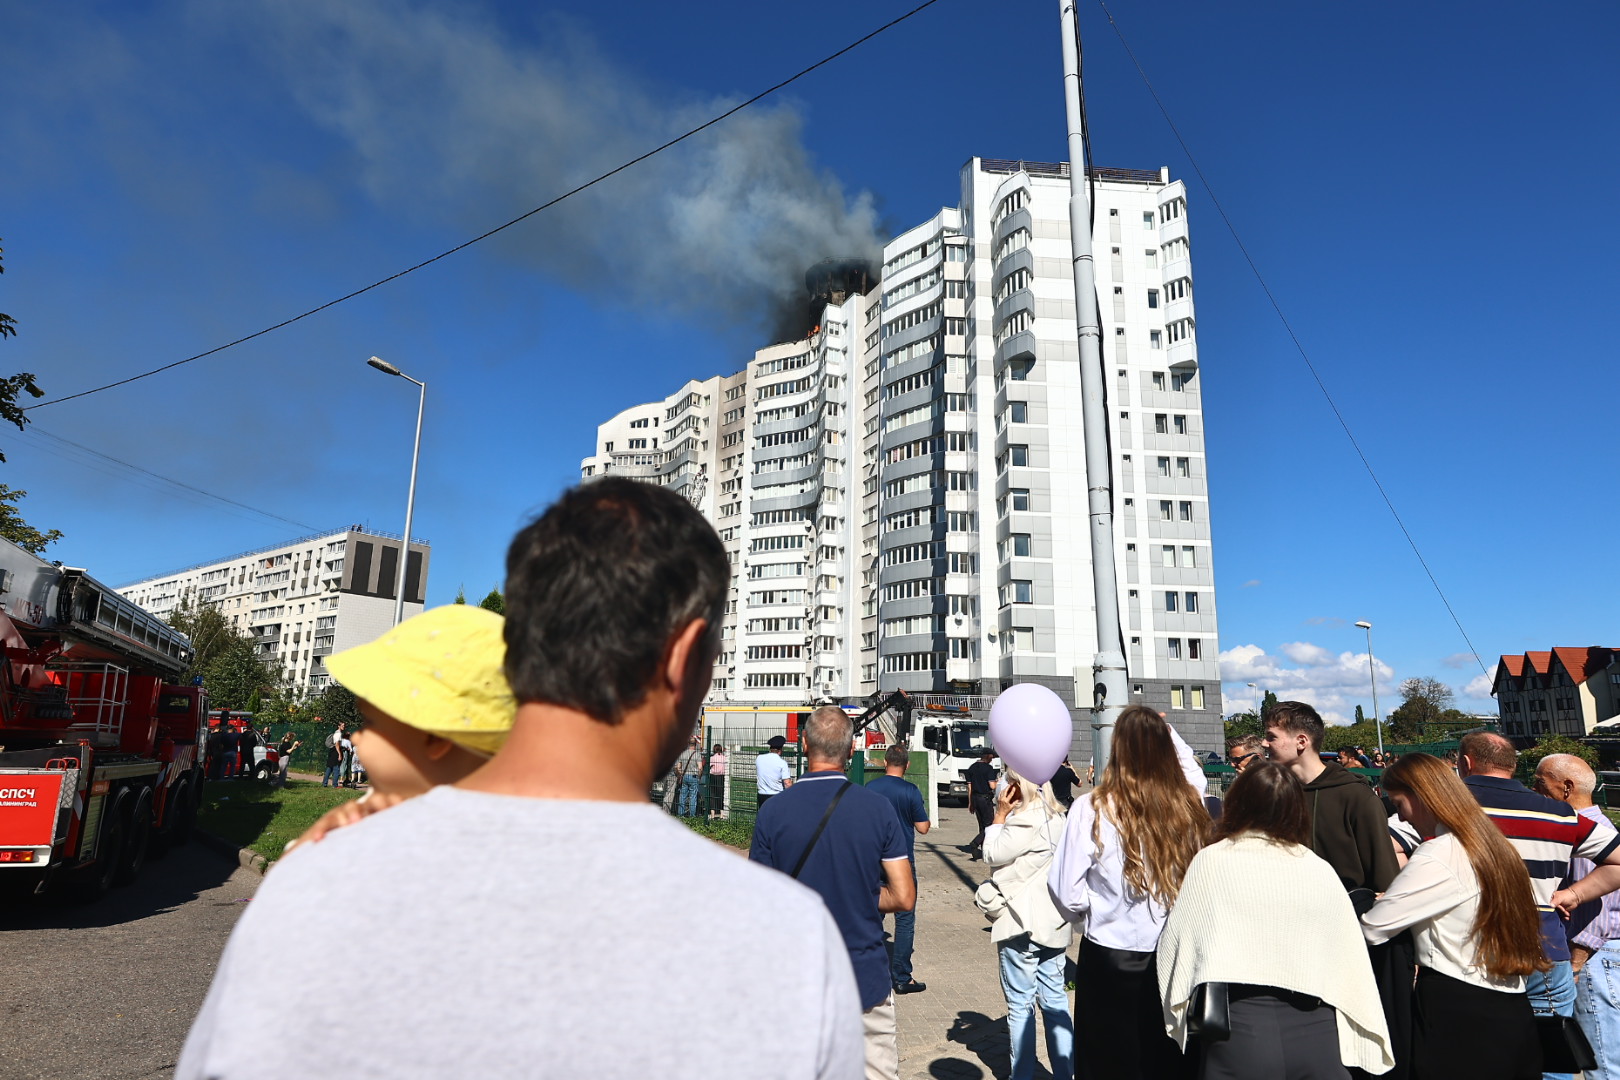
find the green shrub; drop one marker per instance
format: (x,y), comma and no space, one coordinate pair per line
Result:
(736,831)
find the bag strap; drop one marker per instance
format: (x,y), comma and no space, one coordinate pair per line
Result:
(817,834)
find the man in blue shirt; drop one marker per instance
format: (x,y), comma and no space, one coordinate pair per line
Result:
(771,771)
(845,842)
(912,813)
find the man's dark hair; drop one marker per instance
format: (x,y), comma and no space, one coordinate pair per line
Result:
(597,587)
(1296,718)
(896,756)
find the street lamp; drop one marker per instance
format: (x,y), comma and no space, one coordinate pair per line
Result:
(410,498)
(1372,674)
(1259,703)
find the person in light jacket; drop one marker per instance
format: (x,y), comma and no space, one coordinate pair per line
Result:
(1309,1007)
(1031,935)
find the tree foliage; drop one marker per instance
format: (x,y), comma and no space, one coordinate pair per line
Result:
(1556,744)
(461,596)
(339,703)
(1423,714)
(22,383)
(494,602)
(18,531)
(233,675)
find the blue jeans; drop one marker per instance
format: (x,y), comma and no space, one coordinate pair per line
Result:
(333,776)
(905,935)
(1028,972)
(1597,1009)
(1552,993)
(689,795)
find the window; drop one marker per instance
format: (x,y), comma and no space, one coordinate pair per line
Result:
(1166,510)
(1155,339)
(1020,544)
(1152,256)
(1019,455)
(1181,425)
(1017,592)
(1020,498)
(1019,411)
(1161,423)
(1019,369)
(1183,466)
(1180,381)
(1169,555)
(1184,511)
(1197,697)
(1191,601)
(1158,380)
(1187,557)
(1178,697)
(1164,466)
(1170,600)
(1195,648)
(1153,298)
(1147,220)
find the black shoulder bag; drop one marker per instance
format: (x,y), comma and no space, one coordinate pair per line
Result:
(811,846)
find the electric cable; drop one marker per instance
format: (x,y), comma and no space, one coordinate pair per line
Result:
(35,429)
(857,43)
(1293,336)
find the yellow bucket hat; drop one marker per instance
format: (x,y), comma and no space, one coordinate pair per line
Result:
(440,672)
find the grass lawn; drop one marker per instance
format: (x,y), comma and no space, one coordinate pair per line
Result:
(254,815)
(736,831)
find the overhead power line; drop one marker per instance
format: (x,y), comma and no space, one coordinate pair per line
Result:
(102,462)
(1294,337)
(763,94)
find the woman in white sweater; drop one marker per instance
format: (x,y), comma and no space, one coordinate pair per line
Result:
(1466,897)
(1302,1004)
(1117,870)
(1031,934)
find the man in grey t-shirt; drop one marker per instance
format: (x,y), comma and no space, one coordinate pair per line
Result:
(516,924)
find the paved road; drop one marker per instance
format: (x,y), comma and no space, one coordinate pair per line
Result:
(109,989)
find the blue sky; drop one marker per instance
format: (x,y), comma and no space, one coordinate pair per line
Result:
(1425,191)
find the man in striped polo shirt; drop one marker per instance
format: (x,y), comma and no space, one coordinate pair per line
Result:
(1546,834)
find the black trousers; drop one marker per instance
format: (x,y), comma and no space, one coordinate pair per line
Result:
(1277,1038)
(1463,1030)
(1118,1020)
(984,809)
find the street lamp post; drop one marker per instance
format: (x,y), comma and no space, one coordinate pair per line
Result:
(410,497)
(1372,674)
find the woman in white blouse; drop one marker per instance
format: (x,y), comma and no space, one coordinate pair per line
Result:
(1031,935)
(1466,896)
(1117,870)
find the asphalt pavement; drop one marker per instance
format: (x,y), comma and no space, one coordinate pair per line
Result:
(109,989)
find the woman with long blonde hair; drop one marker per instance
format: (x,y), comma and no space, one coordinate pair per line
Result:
(1031,935)
(1118,869)
(1465,894)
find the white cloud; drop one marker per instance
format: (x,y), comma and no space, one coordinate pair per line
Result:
(1251,583)
(1479,687)
(1461,660)
(1334,683)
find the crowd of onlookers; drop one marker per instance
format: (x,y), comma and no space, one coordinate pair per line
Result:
(507,873)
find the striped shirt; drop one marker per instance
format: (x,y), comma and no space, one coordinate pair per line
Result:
(1595,921)
(1546,834)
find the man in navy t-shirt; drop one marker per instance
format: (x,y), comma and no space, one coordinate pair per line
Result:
(912,814)
(859,862)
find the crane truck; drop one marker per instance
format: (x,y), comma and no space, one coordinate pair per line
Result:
(99,744)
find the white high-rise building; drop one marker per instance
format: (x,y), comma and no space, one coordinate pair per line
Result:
(300,601)
(904,491)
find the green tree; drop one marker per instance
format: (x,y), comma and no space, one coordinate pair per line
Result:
(22,383)
(1362,734)
(1240,724)
(338,703)
(1266,705)
(18,531)
(1361,717)
(233,674)
(1424,706)
(494,602)
(461,595)
(1555,744)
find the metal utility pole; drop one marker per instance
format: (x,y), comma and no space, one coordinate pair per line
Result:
(1110,686)
(410,496)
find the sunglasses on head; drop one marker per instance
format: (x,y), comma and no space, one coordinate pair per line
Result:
(1241,758)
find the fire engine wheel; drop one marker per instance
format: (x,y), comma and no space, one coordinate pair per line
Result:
(138,845)
(109,856)
(184,814)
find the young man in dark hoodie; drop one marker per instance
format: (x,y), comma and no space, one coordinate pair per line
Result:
(1350,831)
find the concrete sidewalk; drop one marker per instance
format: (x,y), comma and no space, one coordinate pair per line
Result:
(957,1028)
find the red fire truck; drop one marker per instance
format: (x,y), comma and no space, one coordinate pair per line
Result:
(99,763)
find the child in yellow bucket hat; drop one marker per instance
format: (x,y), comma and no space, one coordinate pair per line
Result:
(435,701)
